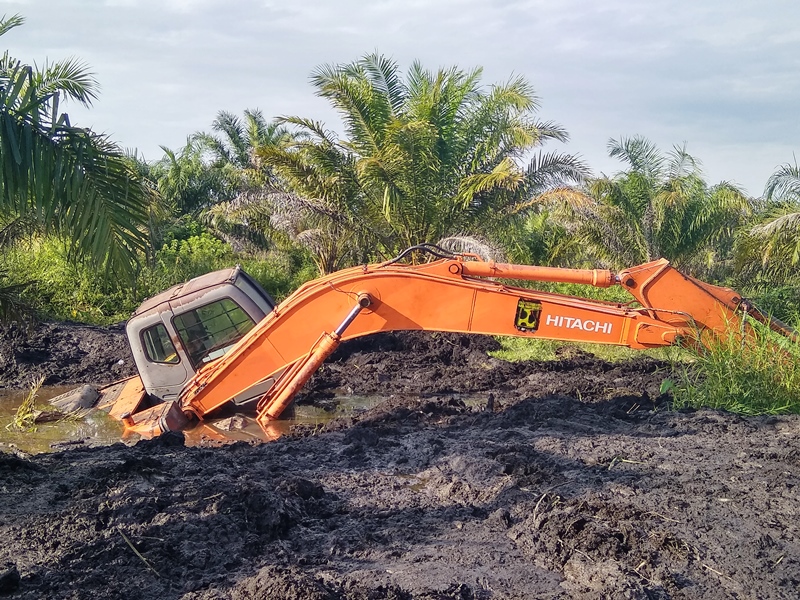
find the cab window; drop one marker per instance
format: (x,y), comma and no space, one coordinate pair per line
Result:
(209,331)
(157,346)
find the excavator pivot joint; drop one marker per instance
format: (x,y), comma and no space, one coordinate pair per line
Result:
(364,300)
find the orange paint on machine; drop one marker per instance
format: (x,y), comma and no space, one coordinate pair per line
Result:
(220,338)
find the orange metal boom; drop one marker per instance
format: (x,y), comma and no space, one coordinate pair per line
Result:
(454,295)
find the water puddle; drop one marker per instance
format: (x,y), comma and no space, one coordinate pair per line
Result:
(243,427)
(95,429)
(98,429)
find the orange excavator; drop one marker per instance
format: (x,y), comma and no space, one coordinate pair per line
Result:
(220,339)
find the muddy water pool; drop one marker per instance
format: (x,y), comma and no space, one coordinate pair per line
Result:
(98,429)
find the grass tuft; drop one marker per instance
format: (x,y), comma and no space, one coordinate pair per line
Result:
(518,349)
(25,417)
(759,377)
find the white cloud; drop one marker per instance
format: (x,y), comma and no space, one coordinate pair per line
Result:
(719,75)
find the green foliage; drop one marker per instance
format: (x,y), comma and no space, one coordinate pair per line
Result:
(69,290)
(64,179)
(779,301)
(217,180)
(758,377)
(541,239)
(614,293)
(187,182)
(281,272)
(64,288)
(182,228)
(236,145)
(769,251)
(13,306)
(216,167)
(661,208)
(328,212)
(517,349)
(426,156)
(180,260)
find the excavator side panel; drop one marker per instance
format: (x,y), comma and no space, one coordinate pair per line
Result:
(122,397)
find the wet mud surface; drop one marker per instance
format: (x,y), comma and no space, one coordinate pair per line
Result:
(62,353)
(573,480)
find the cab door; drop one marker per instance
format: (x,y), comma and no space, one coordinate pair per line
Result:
(162,363)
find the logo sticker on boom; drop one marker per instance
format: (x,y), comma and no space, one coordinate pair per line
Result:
(528,314)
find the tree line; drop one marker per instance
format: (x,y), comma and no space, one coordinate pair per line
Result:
(424,156)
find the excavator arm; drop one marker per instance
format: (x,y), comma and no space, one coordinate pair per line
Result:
(459,294)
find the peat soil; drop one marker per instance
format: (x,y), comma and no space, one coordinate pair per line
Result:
(572,480)
(62,353)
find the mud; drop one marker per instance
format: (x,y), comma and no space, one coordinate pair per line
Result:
(574,480)
(62,353)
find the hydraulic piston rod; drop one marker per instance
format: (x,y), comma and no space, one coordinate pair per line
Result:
(594,277)
(276,401)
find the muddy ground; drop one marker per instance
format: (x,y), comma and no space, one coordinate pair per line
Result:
(61,353)
(573,480)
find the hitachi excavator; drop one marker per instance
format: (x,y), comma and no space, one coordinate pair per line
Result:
(220,338)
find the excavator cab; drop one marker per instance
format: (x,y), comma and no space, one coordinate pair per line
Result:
(177,332)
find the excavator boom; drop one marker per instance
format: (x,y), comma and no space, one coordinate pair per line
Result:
(456,294)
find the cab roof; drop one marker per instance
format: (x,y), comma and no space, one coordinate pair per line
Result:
(197,284)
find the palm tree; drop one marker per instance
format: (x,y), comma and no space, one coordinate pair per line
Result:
(219,179)
(62,179)
(188,183)
(775,242)
(328,212)
(232,151)
(318,216)
(423,158)
(660,207)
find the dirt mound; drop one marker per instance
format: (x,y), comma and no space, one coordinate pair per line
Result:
(63,353)
(572,480)
(421,363)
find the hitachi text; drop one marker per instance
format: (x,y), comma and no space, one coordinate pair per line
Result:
(573,323)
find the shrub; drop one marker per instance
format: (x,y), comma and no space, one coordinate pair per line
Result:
(64,289)
(781,301)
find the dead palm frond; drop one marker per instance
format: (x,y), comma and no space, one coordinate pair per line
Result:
(25,417)
(467,244)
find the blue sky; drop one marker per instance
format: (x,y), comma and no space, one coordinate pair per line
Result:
(721,76)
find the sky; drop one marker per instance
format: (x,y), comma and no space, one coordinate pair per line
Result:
(720,76)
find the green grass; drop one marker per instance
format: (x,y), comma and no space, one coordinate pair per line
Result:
(25,417)
(40,275)
(517,349)
(759,377)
